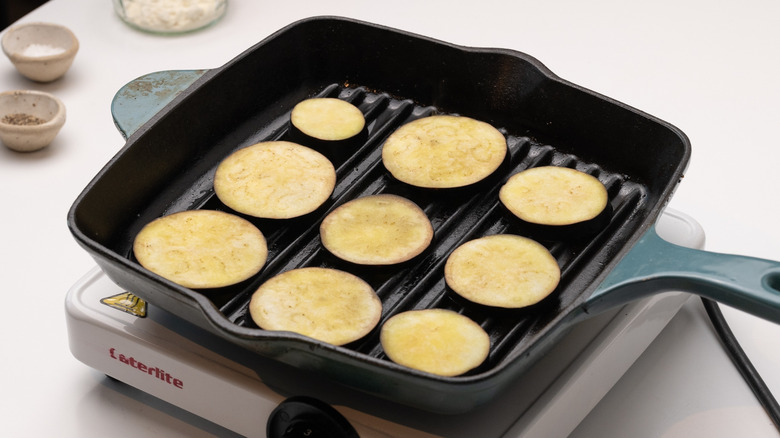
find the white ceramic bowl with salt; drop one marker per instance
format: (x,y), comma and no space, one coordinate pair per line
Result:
(42,52)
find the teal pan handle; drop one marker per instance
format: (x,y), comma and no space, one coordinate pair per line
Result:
(140,99)
(654,265)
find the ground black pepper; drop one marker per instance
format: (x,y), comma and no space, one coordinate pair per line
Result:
(22,119)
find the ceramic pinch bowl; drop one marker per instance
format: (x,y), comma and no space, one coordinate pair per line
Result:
(42,52)
(29,120)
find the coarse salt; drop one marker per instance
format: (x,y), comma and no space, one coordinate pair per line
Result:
(35,50)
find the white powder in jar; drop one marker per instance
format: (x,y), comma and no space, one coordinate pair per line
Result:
(172,15)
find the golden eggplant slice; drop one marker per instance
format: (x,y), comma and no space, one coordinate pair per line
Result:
(201,248)
(444,151)
(330,305)
(502,270)
(437,341)
(376,230)
(276,180)
(327,119)
(555,196)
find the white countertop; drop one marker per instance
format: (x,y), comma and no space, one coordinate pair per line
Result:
(710,68)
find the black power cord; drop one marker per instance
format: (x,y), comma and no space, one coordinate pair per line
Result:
(742,362)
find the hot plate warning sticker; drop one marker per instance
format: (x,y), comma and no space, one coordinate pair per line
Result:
(127,303)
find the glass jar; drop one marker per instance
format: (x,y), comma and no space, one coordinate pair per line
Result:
(170,16)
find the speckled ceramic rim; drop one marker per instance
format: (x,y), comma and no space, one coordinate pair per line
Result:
(57,119)
(17,56)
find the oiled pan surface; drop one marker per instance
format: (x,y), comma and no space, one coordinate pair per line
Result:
(457,215)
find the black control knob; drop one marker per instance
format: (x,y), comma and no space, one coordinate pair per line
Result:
(306,417)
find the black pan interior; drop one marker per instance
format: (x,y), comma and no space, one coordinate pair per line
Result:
(393,77)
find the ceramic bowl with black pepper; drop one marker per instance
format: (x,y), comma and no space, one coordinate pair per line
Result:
(42,52)
(29,120)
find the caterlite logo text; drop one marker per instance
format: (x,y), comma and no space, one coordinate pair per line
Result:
(156,372)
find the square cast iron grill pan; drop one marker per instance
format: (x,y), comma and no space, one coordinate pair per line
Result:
(168,164)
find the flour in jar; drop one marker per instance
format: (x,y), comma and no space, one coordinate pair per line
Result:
(171,15)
